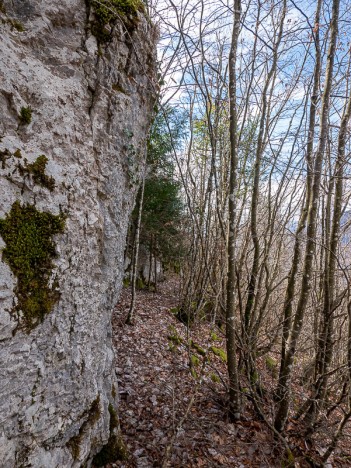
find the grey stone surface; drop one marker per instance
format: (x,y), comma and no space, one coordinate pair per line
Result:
(91,110)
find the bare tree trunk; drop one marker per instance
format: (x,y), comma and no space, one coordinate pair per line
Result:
(254,274)
(155,266)
(290,290)
(284,381)
(150,262)
(130,317)
(325,342)
(234,390)
(257,172)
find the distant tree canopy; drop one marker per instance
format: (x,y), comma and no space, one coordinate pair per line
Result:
(163,209)
(166,135)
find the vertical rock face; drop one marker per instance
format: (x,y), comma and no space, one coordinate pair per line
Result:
(74,117)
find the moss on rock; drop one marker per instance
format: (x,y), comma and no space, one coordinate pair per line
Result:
(37,171)
(92,415)
(25,115)
(106,11)
(4,156)
(15,24)
(30,250)
(198,348)
(2,7)
(115,449)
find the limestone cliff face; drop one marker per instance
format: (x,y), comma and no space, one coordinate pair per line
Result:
(74,117)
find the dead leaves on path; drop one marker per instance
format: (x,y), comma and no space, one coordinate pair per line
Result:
(156,386)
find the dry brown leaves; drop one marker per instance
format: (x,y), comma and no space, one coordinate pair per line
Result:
(165,409)
(156,386)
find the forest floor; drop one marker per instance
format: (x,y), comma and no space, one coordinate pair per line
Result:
(173,404)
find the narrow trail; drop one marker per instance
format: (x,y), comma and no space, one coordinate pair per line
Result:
(157,389)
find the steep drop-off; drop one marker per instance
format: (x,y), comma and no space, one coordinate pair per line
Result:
(76,98)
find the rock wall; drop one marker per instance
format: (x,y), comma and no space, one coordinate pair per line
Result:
(74,117)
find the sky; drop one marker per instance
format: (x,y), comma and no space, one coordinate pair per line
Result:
(193,53)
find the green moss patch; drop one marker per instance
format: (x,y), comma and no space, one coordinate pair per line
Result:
(219,352)
(214,336)
(195,361)
(126,282)
(37,171)
(2,7)
(4,156)
(215,378)
(140,284)
(106,11)
(25,115)
(198,348)
(115,449)
(15,24)
(91,415)
(272,366)
(30,251)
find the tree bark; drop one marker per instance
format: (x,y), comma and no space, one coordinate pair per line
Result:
(234,390)
(284,381)
(325,342)
(131,313)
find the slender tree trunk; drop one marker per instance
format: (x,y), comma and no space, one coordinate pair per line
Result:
(150,263)
(284,381)
(257,173)
(234,390)
(325,351)
(130,317)
(155,266)
(290,290)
